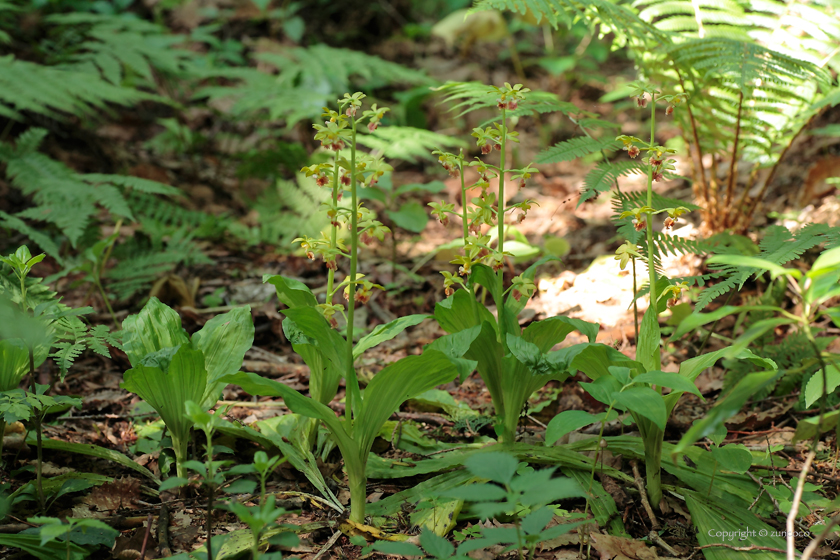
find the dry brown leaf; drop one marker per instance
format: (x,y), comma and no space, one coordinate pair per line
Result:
(621,548)
(122,493)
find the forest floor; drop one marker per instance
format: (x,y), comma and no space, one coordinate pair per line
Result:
(586,284)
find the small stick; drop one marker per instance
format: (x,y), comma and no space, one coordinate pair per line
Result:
(146,537)
(794,508)
(809,550)
(163,532)
(640,484)
(328,545)
(656,539)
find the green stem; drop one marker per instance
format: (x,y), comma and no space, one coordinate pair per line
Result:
(179,446)
(2,435)
(466,227)
(357,481)
(351,382)
(653,439)
(211,487)
(595,462)
(39,443)
(500,275)
(635,301)
(333,231)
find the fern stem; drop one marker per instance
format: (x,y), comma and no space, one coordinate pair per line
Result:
(733,165)
(333,232)
(700,172)
(352,383)
(39,443)
(746,217)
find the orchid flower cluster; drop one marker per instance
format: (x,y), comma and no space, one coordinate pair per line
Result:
(657,164)
(345,173)
(488,208)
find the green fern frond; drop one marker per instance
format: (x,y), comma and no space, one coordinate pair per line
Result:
(61,196)
(407,143)
(604,176)
(471,96)
(553,12)
(56,93)
(308,79)
(575,148)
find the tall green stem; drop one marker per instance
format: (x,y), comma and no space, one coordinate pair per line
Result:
(651,262)
(211,488)
(357,481)
(351,382)
(179,445)
(500,275)
(466,225)
(333,232)
(38,437)
(652,435)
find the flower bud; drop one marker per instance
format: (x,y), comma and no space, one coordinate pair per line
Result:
(641,101)
(486,149)
(633,151)
(669,222)
(639,224)
(670,110)
(351,111)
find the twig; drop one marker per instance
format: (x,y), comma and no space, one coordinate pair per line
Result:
(640,484)
(750,548)
(329,544)
(146,537)
(794,508)
(163,532)
(657,540)
(769,495)
(812,546)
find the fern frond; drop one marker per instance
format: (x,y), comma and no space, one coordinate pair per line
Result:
(61,196)
(471,96)
(308,79)
(575,148)
(113,44)
(604,176)
(56,93)
(407,143)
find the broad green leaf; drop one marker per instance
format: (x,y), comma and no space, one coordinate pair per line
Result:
(526,352)
(94,451)
(394,385)
(291,292)
(411,216)
(742,261)
(381,333)
(809,427)
(827,261)
(716,522)
(567,421)
(553,490)
(312,324)
(495,466)
(814,387)
(647,351)
(671,380)
(14,363)
(156,327)
(755,331)
(604,509)
(727,407)
(644,401)
(735,458)
(603,389)
(549,332)
(50,551)
(595,359)
(224,340)
(324,375)
(168,392)
(458,312)
(693,367)
(695,320)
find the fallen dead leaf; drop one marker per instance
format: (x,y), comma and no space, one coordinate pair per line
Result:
(621,548)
